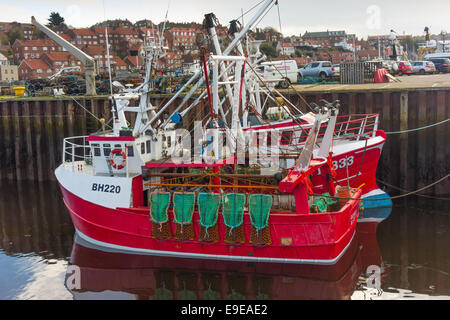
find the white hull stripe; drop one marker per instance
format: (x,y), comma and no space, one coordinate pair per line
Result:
(129,250)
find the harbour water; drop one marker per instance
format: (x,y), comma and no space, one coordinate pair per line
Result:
(38,255)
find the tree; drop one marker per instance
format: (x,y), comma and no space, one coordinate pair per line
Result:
(409,44)
(269,50)
(14,34)
(4,39)
(55,20)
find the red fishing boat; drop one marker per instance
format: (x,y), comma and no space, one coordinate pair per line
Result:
(137,189)
(209,213)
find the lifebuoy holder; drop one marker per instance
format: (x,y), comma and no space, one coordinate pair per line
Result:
(112,157)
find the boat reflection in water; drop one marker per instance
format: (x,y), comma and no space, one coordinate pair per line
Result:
(112,275)
(371,259)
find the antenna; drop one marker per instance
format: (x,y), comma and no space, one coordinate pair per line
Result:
(113,110)
(161,38)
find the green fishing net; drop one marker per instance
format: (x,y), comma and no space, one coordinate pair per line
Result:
(259,210)
(208,209)
(183,207)
(233,209)
(159,203)
(324,202)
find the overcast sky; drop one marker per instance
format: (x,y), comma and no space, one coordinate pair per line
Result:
(355,16)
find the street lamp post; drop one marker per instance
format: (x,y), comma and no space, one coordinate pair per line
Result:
(443,34)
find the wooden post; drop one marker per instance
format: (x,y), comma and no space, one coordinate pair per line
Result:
(70,118)
(51,163)
(17,144)
(421,177)
(30,165)
(59,124)
(352,103)
(369,102)
(441,151)
(4,142)
(404,140)
(39,129)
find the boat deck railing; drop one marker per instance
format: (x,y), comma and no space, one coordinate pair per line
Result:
(76,150)
(351,127)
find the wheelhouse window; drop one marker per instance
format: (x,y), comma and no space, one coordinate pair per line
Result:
(96,148)
(142,147)
(149,146)
(130,151)
(286,137)
(106,150)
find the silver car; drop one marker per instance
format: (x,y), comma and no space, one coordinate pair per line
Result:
(423,67)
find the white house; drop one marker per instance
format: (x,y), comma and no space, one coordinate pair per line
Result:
(3,60)
(344,45)
(286,49)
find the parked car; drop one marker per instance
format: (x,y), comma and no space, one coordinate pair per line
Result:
(336,68)
(441,64)
(423,67)
(321,69)
(390,65)
(282,73)
(404,67)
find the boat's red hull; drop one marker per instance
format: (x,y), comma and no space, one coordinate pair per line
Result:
(362,164)
(308,239)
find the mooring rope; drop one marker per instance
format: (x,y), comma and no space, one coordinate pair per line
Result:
(419,195)
(418,129)
(90,113)
(396,197)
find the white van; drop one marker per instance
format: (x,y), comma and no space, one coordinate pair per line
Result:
(280,73)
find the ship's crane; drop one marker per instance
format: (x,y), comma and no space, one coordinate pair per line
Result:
(87,60)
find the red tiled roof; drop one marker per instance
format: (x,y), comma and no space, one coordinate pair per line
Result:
(118,62)
(124,31)
(153,31)
(173,56)
(59,56)
(101,30)
(83,32)
(94,50)
(182,30)
(66,37)
(34,43)
(36,64)
(130,60)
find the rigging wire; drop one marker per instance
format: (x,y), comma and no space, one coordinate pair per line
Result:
(249,10)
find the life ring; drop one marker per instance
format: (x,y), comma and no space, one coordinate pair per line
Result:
(112,157)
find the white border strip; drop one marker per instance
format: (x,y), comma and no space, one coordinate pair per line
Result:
(129,250)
